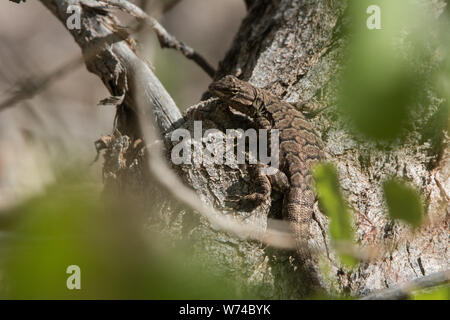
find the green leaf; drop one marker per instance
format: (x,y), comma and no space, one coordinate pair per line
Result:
(403,202)
(435,294)
(71,224)
(333,205)
(381,82)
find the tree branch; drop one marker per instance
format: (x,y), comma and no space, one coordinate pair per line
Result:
(111,57)
(166,40)
(403,291)
(30,87)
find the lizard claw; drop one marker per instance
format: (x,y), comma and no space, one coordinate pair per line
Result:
(236,200)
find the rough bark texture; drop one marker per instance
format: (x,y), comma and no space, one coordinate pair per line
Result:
(292,48)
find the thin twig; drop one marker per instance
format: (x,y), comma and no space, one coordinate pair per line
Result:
(166,40)
(403,291)
(31,87)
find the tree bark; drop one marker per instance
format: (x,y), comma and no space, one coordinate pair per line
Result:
(292,48)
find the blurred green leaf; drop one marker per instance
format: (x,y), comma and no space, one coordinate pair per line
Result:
(384,72)
(403,202)
(333,205)
(433,294)
(72,225)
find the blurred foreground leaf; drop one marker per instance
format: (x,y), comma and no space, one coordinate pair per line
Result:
(386,69)
(69,225)
(333,205)
(403,202)
(432,294)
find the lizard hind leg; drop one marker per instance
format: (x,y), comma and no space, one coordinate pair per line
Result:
(262,189)
(263,186)
(279,181)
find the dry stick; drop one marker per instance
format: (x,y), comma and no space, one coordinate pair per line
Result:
(34,86)
(165,39)
(403,291)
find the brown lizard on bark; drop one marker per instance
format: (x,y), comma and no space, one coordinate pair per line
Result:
(300,149)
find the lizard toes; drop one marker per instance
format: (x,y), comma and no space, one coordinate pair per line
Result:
(246,203)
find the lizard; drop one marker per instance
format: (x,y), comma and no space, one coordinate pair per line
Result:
(299,149)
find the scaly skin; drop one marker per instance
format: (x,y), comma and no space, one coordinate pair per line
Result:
(300,149)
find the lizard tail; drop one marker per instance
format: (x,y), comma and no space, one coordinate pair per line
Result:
(298,210)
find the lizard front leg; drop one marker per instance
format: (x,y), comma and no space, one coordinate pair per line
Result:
(262,182)
(263,185)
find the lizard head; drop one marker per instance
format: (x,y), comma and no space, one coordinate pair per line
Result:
(237,93)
